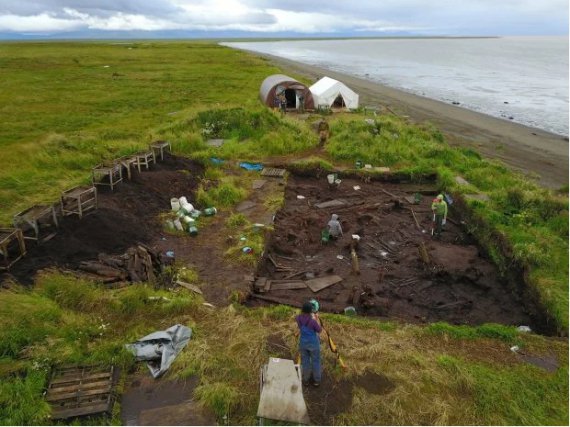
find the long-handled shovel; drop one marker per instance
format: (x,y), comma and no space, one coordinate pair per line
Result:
(333,346)
(432,224)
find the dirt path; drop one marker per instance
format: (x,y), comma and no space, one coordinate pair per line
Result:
(524,149)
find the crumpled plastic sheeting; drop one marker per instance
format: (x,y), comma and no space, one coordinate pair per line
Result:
(161,348)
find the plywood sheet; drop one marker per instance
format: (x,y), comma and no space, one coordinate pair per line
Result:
(331,204)
(321,283)
(258,183)
(294,284)
(282,393)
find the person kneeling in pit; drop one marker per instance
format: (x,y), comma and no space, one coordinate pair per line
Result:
(335,229)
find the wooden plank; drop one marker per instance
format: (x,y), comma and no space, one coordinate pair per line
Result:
(288,286)
(80,411)
(189,286)
(273,172)
(270,258)
(331,204)
(85,386)
(79,393)
(389,194)
(278,300)
(70,377)
(260,284)
(321,283)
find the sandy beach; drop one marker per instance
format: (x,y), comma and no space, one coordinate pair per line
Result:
(539,154)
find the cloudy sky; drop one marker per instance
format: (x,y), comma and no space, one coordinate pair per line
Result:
(203,18)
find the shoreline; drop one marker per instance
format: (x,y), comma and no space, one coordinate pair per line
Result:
(531,151)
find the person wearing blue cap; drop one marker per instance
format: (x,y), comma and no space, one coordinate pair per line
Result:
(309,343)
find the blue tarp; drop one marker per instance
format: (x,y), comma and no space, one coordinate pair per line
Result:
(251,166)
(216,161)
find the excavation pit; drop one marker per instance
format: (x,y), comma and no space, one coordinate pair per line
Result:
(451,280)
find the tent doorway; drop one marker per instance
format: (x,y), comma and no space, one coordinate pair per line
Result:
(338,102)
(291,97)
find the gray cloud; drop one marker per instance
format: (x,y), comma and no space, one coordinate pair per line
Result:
(446,17)
(95,7)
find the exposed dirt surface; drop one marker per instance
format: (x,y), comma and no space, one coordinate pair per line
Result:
(147,401)
(456,284)
(374,383)
(219,276)
(333,397)
(277,347)
(547,362)
(127,215)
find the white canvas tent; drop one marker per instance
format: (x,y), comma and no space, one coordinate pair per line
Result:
(331,93)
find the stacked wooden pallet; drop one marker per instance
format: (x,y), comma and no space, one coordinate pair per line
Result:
(80,391)
(137,264)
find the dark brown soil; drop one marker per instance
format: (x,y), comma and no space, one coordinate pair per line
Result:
(125,216)
(147,401)
(457,285)
(334,397)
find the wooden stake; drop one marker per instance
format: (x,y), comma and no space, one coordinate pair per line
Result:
(415,219)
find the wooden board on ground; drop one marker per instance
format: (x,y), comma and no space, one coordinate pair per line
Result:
(215,143)
(293,284)
(282,393)
(189,286)
(81,391)
(331,204)
(273,172)
(258,183)
(245,205)
(321,283)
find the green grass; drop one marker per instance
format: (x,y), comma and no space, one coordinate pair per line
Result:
(64,112)
(442,374)
(70,321)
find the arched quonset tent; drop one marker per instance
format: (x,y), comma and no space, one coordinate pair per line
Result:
(295,92)
(331,93)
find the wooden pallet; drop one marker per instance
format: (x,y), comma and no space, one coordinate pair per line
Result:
(80,391)
(273,172)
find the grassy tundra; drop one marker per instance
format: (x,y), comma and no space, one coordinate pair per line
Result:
(67,106)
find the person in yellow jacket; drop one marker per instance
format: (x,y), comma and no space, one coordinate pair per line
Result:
(439,208)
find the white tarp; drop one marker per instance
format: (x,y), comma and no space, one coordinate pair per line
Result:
(326,90)
(160,348)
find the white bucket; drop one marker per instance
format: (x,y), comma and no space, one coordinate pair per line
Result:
(331,178)
(178,225)
(188,220)
(175,204)
(187,207)
(183,200)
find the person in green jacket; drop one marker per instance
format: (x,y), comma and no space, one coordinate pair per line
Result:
(439,208)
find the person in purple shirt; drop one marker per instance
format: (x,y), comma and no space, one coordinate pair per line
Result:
(309,344)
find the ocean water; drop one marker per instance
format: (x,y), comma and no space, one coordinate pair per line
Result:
(525,78)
